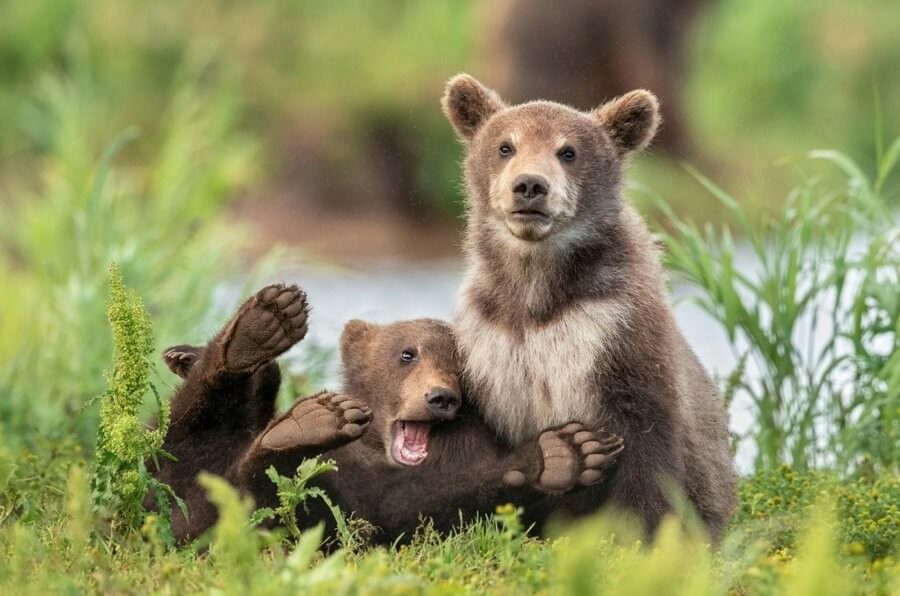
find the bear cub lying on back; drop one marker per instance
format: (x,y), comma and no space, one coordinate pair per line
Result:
(406,444)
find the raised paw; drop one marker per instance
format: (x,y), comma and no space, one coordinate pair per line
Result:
(324,421)
(266,326)
(180,359)
(571,456)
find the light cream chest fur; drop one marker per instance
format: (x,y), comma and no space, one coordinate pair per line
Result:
(546,377)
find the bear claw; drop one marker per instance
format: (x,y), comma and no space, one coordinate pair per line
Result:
(266,326)
(325,420)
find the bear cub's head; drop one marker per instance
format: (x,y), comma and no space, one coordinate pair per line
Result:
(407,372)
(542,169)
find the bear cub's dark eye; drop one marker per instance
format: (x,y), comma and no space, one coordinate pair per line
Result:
(506,150)
(408,355)
(567,154)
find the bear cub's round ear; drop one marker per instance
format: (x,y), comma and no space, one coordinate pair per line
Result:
(468,104)
(631,120)
(355,338)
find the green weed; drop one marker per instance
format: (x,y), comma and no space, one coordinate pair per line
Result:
(814,310)
(120,480)
(91,206)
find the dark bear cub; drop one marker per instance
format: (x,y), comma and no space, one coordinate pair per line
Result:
(406,443)
(228,396)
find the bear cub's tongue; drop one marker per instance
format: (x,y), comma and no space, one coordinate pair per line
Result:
(410,446)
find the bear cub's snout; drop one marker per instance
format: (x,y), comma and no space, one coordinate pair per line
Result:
(528,187)
(443,402)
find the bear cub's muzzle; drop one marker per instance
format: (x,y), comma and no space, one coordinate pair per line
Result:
(530,193)
(443,402)
(409,443)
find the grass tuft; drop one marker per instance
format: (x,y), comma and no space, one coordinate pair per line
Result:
(809,299)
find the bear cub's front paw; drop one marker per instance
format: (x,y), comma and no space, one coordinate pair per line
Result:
(324,421)
(570,456)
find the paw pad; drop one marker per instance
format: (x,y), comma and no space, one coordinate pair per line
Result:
(573,456)
(324,421)
(266,326)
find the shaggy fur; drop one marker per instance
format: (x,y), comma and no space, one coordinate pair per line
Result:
(563,312)
(222,422)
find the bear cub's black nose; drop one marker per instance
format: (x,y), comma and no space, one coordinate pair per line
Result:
(528,186)
(443,402)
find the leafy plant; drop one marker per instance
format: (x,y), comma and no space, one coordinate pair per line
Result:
(772,505)
(235,544)
(121,479)
(237,547)
(295,492)
(814,571)
(868,512)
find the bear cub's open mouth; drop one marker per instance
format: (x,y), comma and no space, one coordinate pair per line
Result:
(410,444)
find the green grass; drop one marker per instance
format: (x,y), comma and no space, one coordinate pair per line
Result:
(816,311)
(796,531)
(63,552)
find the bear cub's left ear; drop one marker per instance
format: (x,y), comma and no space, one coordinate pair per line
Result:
(355,340)
(631,120)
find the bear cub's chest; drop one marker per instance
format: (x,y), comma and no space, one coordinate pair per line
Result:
(547,376)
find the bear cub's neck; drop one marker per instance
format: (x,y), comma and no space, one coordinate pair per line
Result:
(521,286)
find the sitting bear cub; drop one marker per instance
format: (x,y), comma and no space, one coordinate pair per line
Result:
(406,444)
(563,311)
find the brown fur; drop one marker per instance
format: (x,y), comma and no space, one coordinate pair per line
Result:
(221,424)
(563,315)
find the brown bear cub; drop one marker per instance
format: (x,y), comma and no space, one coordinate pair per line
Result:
(563,312)
(406,444)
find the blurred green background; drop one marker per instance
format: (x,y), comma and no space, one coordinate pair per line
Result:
(336,104)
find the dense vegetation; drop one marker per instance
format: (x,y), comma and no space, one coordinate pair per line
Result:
(125,129)
(763,81)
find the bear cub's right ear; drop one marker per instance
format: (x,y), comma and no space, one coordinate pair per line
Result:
(468,104)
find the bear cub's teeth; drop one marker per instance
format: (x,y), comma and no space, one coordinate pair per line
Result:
(410,444)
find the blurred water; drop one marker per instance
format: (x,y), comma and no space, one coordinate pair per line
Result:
(389,292)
